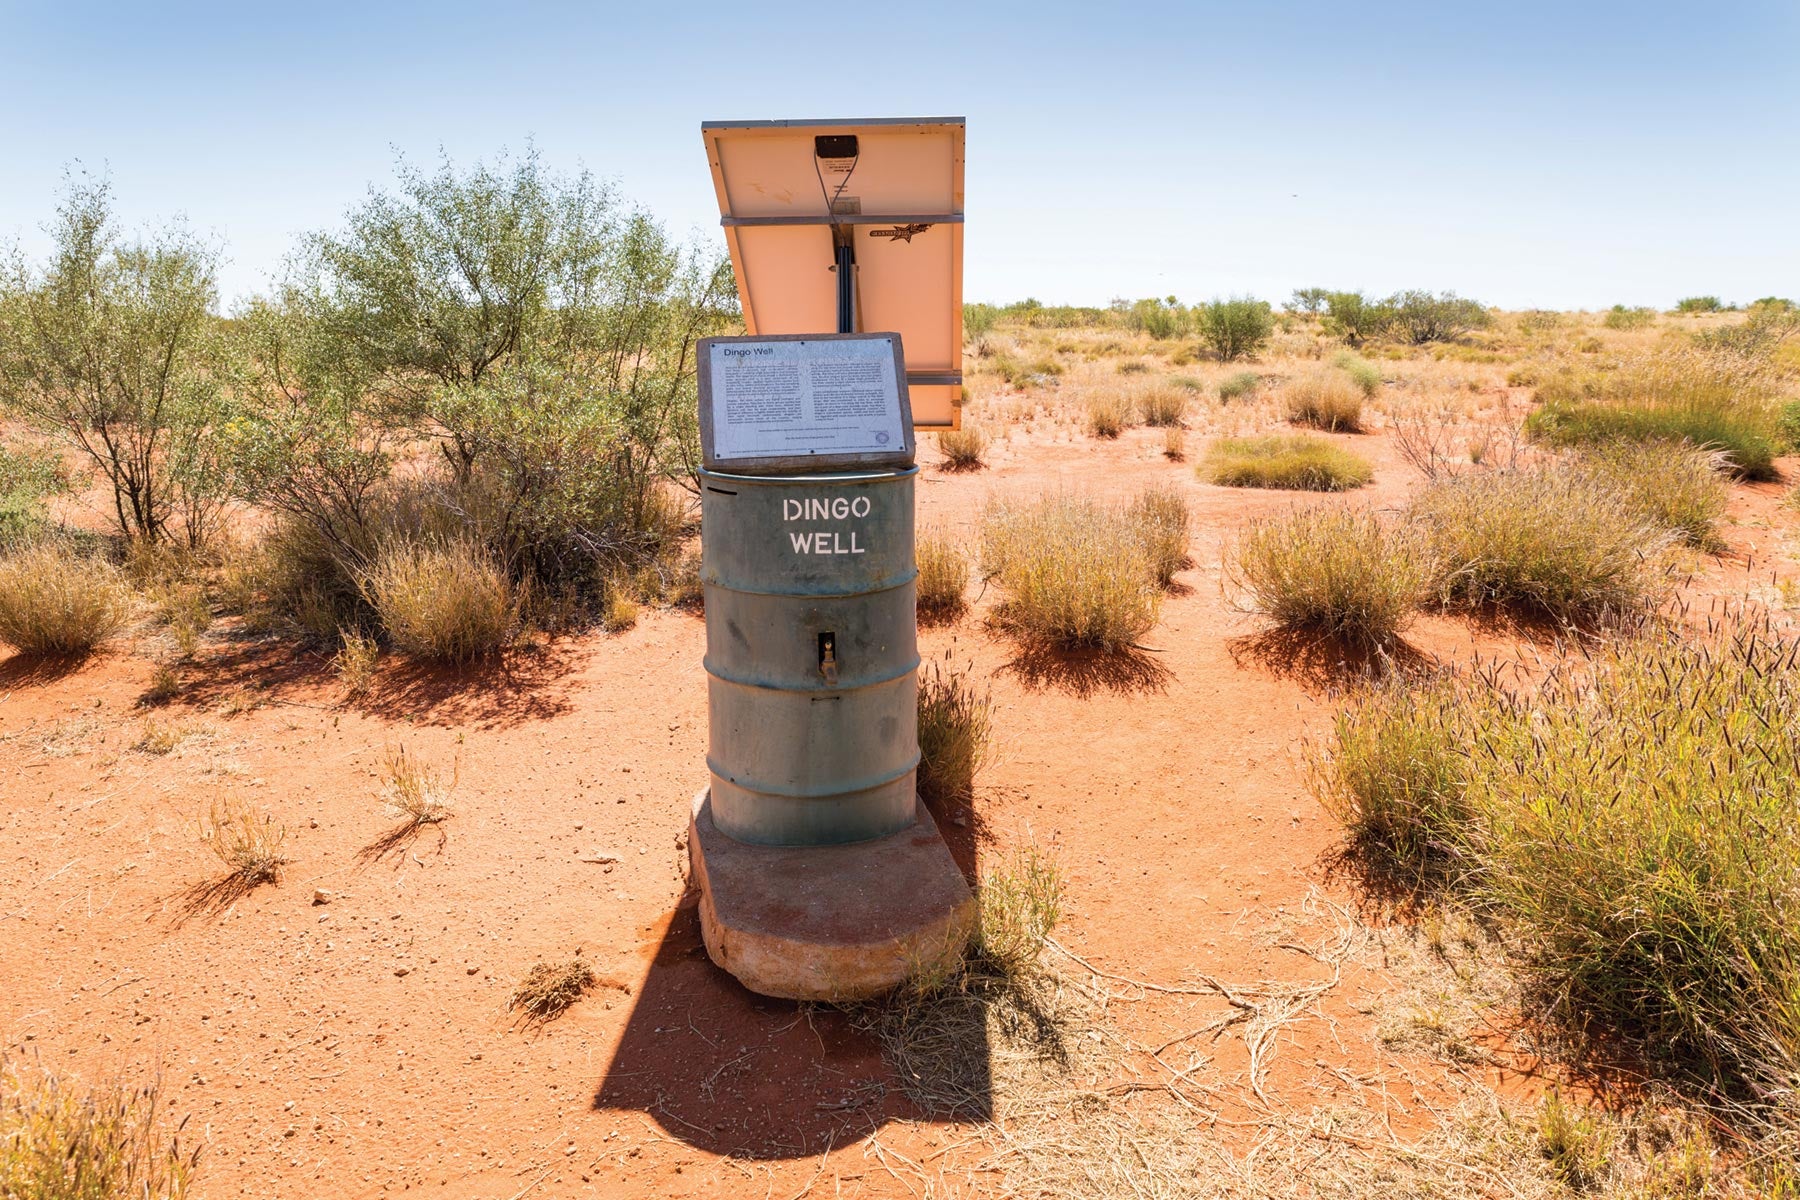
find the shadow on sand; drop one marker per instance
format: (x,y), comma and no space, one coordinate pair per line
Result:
(1085,673)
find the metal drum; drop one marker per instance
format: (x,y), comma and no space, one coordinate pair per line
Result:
(812,655)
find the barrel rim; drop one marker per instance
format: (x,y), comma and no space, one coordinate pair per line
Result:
(840,477)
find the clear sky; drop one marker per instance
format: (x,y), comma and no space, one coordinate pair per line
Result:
(1572,154)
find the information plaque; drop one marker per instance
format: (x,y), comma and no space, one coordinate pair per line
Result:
(804,403)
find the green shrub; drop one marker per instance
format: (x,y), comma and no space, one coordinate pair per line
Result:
(1699,304)
(1308,300)
(28,478)
(1302,462)
(1074,573)
(1548,540)
(1333,572)
(1356,318)
(1159,517)
(1161,319)
(979,319)
(1421,317)
(1237,327)
(1787,426)
(1325,399)
(1706,400)
(955,735)
(1238,386)
(1675,485)
(57,599)
(448,602)
(1363,373)
(1020,902)
(1621,317)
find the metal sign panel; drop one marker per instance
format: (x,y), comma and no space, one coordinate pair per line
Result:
(791,192)
(804,402)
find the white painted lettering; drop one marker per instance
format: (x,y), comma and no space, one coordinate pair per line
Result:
(859,507)
(803,542)
(854,548)
(790,509)
(840,508)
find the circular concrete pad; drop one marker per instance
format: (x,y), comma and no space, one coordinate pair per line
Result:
(833,923)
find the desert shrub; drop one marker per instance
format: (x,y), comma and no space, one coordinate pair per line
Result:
(1356,318)
(551,989)
(1363,373)
(355,661)
(57,599)
(1535,322)
(1160,407)
(248,845)
(963,448)
(1161,319)
(1421,317)
(1074,574)
(1134,366)
(1621,317)
(1332,572)
(618,606)
(1159,517)
(1325,399)
(447,602)
(955,732)
(1303,462)
(1235,328)
(1308,300)
(1711,401)
(28,478)
(1108,414)
(1757,336)
(1019,904)
(61,1139)
(111,348)
(943,575)
(979,319)
(1238,386)
(1175,443)
(1787,426)
(1699,304)
(1547,540)
(1675,485)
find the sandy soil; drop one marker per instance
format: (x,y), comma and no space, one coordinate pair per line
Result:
(362,1046)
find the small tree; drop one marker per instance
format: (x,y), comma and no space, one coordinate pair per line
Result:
(1421,317)
(112,348)
(1354,317)
(1237,327)
(1699,304)
(1308,300)
(1161,319)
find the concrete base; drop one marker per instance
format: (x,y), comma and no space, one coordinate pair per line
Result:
(834,923)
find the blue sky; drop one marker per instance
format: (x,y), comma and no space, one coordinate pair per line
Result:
(1557,155)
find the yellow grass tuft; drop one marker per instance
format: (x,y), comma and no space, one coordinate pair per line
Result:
(55,599)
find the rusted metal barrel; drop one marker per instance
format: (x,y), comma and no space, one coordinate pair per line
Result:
(812,655)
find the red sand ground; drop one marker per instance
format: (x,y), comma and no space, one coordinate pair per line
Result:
(364,1047)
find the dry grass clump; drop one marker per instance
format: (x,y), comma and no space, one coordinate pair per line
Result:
(1325,399)
(355,661)
(248,845)
(1159,514)
(964,448)
(1175,444)
(955,734)
(1238,386)
(1335,573)
(160,737)
(550,989)
(416,788)
(1162,405)
(1108,414)
(1360,371)
(1020,902)
(54,599)
(618,606)
(1674,484)
(1300,462)
(63,1140)
(943,576)
(1075,575)
(446,602)
(1629,824)
(1542,540)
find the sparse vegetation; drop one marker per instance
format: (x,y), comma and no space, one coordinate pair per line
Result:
(943,575)
(1239,386)
(955,735)
(1020,904)
(1621,317)
(1363,373)
(1074,573)
(248,845)
(1545,540)
(964,448)
(355,661)
(1159,516)
(1161,406)
(417,789)
(1699,304)
(551,989)
(61,1139)
(1302,462)
(1175,443)
(449,603)
(1235,328)
(56,599)
(1325,399)
(1108,414)
(1336,573)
